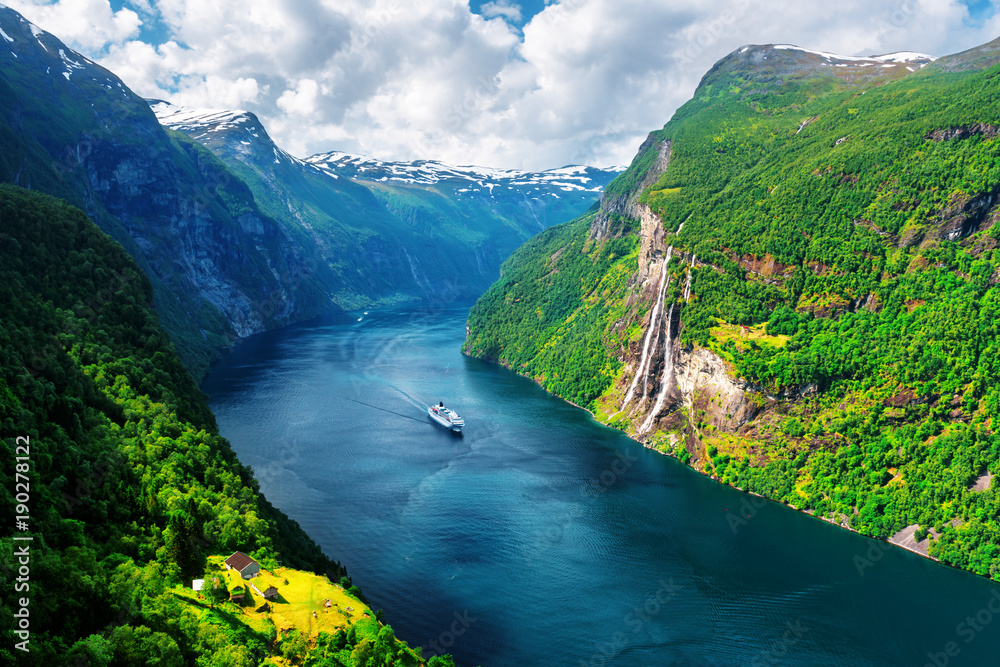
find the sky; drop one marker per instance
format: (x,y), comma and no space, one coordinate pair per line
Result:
(524,85)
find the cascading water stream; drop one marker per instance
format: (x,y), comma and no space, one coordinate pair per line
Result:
(687,287)
(668,371)
(652,327)
(645,376)
(656,339)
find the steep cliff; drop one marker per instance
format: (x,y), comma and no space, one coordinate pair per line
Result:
(125,486)
(383,232)
(793,287)
(220,268)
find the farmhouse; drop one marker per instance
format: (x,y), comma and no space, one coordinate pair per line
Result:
(246,566)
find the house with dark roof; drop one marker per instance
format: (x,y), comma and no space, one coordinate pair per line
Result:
(246,566)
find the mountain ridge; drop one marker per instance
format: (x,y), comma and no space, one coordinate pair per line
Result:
(389,232)
(220,268)
(790,289)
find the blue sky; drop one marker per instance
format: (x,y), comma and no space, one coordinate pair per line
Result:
(530,84)
(152,30)
(524,10)
(980,11)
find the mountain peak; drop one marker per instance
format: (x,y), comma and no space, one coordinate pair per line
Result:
(791,59)
(823,58)
(198,121)
(235,129)
(756,69)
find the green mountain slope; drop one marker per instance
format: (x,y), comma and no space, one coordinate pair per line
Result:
(128,486)
(220,268)
(826,335)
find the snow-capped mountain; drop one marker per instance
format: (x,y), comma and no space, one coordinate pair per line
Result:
(208,126)
(393,230)
(429,172)
(909,59)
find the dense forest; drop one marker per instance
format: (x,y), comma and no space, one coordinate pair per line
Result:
(839,235)
(128,487)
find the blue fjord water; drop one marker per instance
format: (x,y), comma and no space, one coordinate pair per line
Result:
(539,537)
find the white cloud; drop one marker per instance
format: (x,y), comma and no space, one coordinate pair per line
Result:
(302,100)
(506,9)
(582,81)
(88,24)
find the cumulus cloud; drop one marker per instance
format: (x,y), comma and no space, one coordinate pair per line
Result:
(89,24)
(582,81)
(510,11)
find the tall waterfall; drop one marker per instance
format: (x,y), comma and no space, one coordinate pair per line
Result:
(668,372)
(640,372)
(687,287)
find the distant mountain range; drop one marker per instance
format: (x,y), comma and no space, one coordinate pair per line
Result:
(236,235)
(388,232)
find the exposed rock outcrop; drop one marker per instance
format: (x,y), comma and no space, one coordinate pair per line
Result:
(983,482)
(966,215)
(963,132)
(705,384)
(906,538)
(615,207)
(651,246)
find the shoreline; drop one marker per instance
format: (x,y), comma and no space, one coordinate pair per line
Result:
(717,481)
(810,513)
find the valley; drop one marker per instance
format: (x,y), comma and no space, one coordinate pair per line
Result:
(221,355)
(819,303)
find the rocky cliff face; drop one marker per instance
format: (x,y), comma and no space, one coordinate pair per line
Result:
(804,305)
(622,205)
(220,268)
(391,231)
(668,387)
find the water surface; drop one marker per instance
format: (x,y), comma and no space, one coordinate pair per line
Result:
(539,537)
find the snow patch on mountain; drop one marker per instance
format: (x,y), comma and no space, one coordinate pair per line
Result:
(202,123)
(900,58)
(429,172)
(71,65)
(191,120)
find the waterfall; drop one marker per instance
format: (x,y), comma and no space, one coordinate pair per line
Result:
(668,371)
(652,327)
(656,340)
(687,288)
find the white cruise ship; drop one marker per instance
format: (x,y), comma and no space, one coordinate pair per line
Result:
(446,417)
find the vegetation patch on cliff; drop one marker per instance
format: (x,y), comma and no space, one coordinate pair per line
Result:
(847,275)
(131,487)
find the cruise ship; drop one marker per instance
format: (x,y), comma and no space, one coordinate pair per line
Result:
(446,417)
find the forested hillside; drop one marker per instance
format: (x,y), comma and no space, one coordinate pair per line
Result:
(219,267)
(827,232)
(129,486)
